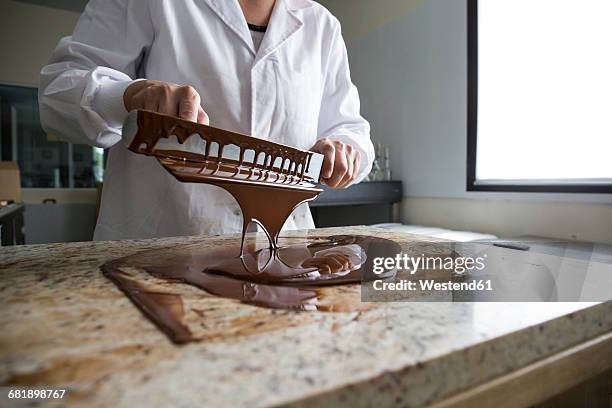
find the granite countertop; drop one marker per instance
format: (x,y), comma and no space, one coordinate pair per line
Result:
(65,325)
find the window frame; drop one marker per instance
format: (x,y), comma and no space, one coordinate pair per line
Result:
(472,184)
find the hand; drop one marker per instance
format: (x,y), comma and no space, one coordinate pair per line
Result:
(340,164)
(182,101)
(328,264)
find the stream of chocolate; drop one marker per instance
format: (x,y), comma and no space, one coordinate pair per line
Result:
(268,187)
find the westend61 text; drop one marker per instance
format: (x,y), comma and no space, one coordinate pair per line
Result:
(430,284)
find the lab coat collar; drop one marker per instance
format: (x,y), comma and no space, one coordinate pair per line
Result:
(284,22)
(293,5)
(230,13)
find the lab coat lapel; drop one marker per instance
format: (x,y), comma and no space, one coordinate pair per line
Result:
(284,22)
(230,13)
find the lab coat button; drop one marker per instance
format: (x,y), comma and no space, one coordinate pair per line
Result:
(236,212)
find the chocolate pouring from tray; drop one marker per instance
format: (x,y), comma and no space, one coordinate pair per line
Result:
(232,152)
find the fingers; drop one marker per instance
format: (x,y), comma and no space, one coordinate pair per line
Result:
(350,162)
(343,261)
(340,167)
(340,164)
(332,263)
(356,163)
(203,117)
(167,98)
(327,149)
(150,103)
(188,103)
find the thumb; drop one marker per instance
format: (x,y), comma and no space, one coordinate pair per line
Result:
(203,117)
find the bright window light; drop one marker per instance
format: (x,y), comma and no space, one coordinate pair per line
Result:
(544,92)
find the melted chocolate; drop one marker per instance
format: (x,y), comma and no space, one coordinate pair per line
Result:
(259,160)
(286,278)
(274,173)
(267,188)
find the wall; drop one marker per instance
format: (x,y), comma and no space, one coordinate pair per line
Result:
(29,34)
(410,67)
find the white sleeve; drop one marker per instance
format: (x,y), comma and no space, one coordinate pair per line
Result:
(339,117)
(81,89)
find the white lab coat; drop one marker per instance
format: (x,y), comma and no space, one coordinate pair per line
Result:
(294,89)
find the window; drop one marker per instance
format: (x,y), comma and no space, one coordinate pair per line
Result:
(44,161)
(540,95)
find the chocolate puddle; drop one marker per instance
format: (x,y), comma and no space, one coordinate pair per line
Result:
(290,277)
(267,187)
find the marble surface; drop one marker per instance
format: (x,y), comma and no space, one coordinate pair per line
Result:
(65,325)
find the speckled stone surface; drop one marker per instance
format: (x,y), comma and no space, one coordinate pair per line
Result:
(65,325)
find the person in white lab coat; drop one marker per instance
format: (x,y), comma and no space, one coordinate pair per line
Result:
(201,60)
